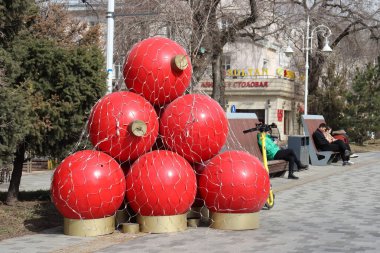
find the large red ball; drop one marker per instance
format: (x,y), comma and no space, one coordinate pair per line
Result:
(88,184)
(110,124)
(195,126)
(234,182)
(149,70)
(161,183)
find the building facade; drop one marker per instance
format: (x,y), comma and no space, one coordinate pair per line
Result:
(258,80)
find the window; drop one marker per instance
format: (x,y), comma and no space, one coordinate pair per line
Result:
(265,67)
(226,62)
(225,23)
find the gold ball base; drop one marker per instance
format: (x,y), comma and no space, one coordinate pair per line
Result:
(162,224)
(235,221)
(193,222)
(131,228)
(89,227)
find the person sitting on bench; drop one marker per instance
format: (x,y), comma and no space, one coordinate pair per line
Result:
(342,135)
(323,144)
(275,153)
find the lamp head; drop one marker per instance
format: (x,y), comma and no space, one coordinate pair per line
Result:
(289,51)
(326,48)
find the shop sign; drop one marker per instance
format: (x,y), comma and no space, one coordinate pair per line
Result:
(286,73)
(280,115)
(246,72)
(238,84)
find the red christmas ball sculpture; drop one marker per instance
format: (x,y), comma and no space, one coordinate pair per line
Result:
(161,183)
(159,69)
(195,126)
(234,182)
(198,168)
(88,184)
(124,125)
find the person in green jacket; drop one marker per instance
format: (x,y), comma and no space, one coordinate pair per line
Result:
(275,153)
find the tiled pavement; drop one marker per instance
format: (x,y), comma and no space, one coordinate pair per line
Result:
(330,209)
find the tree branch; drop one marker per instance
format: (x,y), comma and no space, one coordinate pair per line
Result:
(231,31)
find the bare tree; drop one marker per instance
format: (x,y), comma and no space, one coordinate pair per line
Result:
(202,27)
(353,25)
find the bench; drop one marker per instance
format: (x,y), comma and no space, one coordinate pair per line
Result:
(237,140)
(317,157)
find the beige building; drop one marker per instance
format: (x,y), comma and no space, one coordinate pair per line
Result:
(258,79)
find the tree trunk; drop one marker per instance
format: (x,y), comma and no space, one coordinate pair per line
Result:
(218,91)
(316,66)
(14,185)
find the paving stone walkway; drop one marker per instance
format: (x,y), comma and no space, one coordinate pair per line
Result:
(330,209)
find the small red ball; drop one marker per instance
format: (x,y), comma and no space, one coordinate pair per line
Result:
(195,126)
(150,70)
(110,125)
(88,184)
(234,182)
(161,183)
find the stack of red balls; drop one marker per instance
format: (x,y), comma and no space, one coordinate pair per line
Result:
(126,128)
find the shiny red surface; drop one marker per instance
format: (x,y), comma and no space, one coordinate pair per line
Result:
(234,182)
(109,121)
(88,184)
(195,126)
(161,183)
(148,70)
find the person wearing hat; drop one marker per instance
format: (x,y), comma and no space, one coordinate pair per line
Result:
(275,153)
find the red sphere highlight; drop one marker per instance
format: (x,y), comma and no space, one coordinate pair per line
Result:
(150,70)
(234,182)
(161,183)
(88,184)
(110,124)
(195,126)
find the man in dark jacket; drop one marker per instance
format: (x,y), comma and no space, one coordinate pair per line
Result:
(337,146)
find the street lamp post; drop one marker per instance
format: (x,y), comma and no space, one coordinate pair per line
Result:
(326,32)
(110,33)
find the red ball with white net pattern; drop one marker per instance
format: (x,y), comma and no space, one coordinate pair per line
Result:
(159,69)
(161,183)
(195,126)
(124,125)
(234,182)
(88,184)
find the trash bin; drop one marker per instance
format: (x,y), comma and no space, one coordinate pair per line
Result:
(300,145)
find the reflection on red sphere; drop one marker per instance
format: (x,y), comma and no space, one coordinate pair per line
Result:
(195,126)
(150,71)
(110,125)
(234,182)
(88,184)
(161,183)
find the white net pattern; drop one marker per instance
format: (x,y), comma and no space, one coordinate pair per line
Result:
(159,152)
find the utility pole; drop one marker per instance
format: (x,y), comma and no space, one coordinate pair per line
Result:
(110,34)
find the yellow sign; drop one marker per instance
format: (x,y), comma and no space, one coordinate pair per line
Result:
(286,73)
(246,72)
